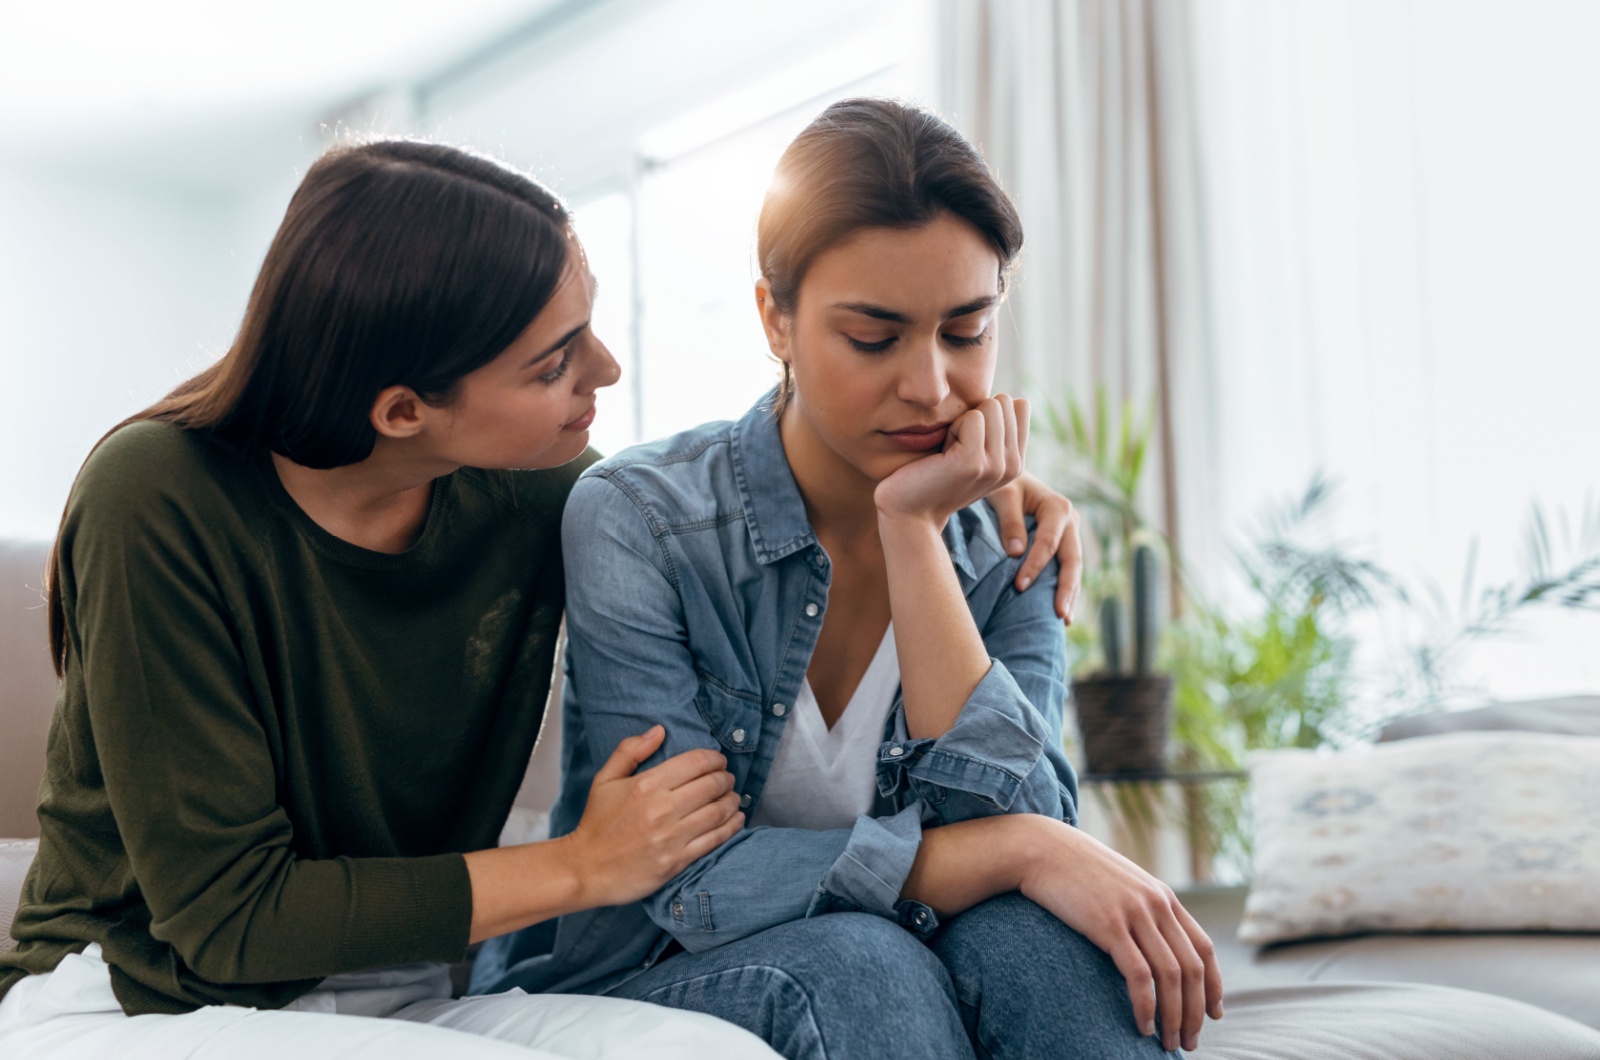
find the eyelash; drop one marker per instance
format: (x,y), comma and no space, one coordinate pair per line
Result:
(555,374)
(958,341)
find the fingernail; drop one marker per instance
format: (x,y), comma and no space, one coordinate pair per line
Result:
(1025,582)
(1150,1028)
(1015,545)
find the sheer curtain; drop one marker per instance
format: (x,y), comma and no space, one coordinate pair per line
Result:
(1403,245)
(1085,109)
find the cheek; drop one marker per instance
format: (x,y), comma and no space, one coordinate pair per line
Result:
(973,380)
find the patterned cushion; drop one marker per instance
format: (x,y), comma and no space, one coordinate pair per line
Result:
(1472,831)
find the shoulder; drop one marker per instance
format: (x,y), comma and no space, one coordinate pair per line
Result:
(538,495)
(152,465)
(992,572)
(685,479)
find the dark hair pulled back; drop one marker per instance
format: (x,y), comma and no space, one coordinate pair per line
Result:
(873,163)
(397,263)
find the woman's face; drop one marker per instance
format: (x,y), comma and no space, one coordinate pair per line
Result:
(532,406)
(891,340)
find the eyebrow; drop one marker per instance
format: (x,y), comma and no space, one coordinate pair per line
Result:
(569,336)
(878,312)
(554,347)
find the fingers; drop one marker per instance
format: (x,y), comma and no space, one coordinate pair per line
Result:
(1130,961)
(995,412)
(1192,970)
(703,789)
(1007,504)
(1051,524)
(699,847)
(969,433)
(682,768)
(710,818)
(1070,553)
(1010,451)
(1167,973)
(1207,952)
(1024,411)
(629,753)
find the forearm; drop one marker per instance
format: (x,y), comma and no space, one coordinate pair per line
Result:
(942,655)
(513,887)
(959,865)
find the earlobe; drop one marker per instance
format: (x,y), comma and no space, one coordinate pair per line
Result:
(398,412)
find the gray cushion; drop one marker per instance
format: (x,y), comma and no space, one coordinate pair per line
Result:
(1388,1021)
(1574,715)
(1559,972)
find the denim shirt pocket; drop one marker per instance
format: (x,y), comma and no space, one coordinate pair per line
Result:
(733,717)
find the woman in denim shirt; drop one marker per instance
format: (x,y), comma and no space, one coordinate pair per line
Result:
(735,580)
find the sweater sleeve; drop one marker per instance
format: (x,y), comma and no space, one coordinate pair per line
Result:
(189,770)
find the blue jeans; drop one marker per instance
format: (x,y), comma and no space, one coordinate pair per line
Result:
(1004,980)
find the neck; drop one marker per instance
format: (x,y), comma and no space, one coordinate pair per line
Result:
(380,503)
(837,496)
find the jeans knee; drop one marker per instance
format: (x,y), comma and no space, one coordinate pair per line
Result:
(845,950)
(1011,945)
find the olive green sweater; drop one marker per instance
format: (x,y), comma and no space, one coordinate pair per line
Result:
(271,746)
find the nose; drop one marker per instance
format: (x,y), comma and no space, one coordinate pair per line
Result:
(923,378)
(602,369)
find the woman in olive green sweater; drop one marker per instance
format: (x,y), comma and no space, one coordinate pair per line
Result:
(305,610)
(304,613)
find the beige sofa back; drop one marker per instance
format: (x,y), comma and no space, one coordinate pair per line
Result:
(27,685)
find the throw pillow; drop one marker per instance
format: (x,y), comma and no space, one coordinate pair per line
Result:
(1473,831)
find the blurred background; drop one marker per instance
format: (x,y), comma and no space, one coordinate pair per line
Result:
(1347,238)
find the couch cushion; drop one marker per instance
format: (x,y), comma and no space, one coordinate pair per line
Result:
(15,857)
(1558,972)
(1573,715)
(1469,831)
(1388,1021)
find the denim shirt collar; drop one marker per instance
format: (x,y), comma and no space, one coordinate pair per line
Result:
(776,513)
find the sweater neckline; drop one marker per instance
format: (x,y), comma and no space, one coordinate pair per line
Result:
(337,548)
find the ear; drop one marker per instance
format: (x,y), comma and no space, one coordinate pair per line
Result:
(773,321)
(398,412)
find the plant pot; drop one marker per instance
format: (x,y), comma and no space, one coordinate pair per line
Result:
(1124,722)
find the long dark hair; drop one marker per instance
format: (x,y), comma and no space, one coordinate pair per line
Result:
(397,263)
(873,163)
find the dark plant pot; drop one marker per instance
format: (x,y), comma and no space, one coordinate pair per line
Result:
(1124,722)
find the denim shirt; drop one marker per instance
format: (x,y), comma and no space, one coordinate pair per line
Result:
(695,593)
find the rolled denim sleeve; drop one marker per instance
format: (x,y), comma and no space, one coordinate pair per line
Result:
(631,667)
(764,877)
(1003,754)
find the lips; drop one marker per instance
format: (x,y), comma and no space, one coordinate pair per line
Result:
(582,422)
(919,439)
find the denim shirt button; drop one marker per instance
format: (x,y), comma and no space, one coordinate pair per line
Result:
(922,916)
(744,801)
(811,610)
(896,752)
(738,736)
(677,910)
(779,710)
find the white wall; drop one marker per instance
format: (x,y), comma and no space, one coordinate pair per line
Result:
(112,289)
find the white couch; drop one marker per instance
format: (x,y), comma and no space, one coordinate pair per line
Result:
(1377,998)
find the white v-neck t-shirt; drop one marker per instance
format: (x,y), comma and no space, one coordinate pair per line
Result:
(825,778)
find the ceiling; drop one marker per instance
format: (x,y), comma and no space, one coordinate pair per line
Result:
(77,71)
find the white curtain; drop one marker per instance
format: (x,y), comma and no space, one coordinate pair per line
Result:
(1085,110)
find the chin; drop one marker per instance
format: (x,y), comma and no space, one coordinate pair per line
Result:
(881,465)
